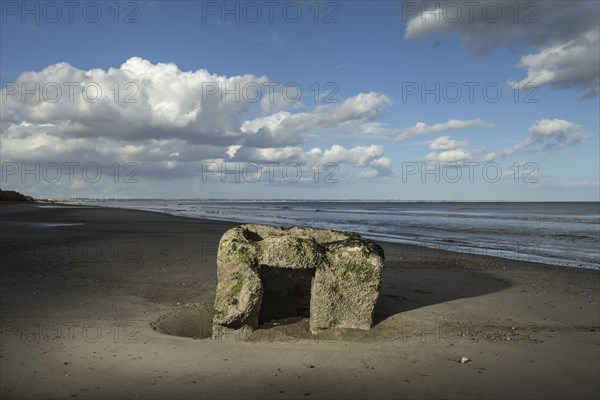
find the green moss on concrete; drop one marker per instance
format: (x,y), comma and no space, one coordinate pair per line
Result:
(238,251)
(362,272)
(228,302)
(235,290)
(290,252)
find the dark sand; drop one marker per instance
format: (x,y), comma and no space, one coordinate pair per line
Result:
(83,307)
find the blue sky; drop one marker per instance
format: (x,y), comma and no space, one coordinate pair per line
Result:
(370,54)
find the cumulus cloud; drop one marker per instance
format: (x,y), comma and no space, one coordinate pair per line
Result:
(371,158)
(447,150)
(548,134)
(565,35)
(572,64)
(421,128)
(445,143)
(171,120)
(454,155)
(137,101)
(544,135)
(288,129)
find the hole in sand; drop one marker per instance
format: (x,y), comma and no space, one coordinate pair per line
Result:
(286,294)
(188,321)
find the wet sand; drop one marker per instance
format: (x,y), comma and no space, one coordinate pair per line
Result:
(87,294)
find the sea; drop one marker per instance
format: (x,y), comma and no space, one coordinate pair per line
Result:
(558,233)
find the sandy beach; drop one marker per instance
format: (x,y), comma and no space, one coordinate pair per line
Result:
(112,303)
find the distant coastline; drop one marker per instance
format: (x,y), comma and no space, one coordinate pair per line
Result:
(558,233)
(11,195)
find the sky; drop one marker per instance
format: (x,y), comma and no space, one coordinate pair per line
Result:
(378,100)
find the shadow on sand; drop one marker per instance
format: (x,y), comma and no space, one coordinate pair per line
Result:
(409,288)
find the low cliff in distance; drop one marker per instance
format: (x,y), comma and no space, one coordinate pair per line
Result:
(11,195)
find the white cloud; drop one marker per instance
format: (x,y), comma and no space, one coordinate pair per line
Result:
(550,127)
(371,158)
(572,64)
(454,155)
(447,150)
(548,134)
(231,150)
(289,129)
(445,143)
(565,35)
(272,121)
(156,101)
(544,135)
(421,128)
(175,122)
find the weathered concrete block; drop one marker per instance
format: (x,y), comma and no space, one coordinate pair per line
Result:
(277,272)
